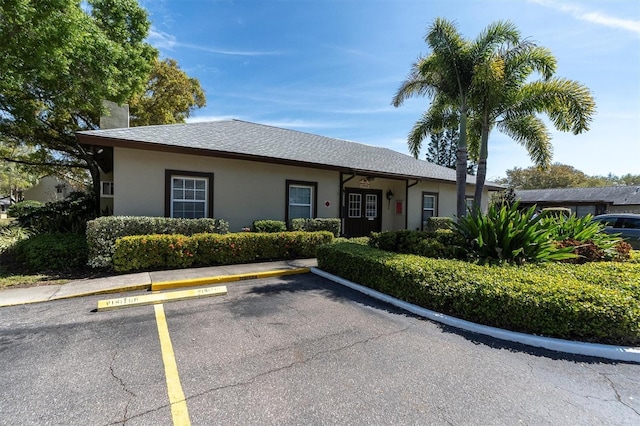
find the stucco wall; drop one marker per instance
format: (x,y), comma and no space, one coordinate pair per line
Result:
(45,190)
(243,191)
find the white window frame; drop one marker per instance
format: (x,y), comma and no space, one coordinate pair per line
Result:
(108,193)
(292,204)
(371,206)
(434,209)
(354,207)
(185,178)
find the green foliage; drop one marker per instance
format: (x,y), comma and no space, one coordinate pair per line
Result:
(506,197)
(170,96)
(319,224)
(555,212)
(60,60)
(153,252)
(598,302)
(65,216)
(51,252)
(179,251)
(586,236)
(439,244)
(103,232)
(559,175)
(23,208)
(269,226)
(436,223)
(10,235)
(509,235)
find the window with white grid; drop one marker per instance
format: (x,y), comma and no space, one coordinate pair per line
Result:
(371,208)
(355,205)
(188,197)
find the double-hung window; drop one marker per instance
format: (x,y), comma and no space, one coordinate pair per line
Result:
(189,195)
(301,199)
(429,207)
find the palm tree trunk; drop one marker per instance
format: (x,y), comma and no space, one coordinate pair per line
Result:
(481,176)
(461,164)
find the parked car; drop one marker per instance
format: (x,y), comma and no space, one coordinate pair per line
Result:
(625,224)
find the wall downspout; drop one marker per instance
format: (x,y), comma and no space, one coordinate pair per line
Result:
(406,201)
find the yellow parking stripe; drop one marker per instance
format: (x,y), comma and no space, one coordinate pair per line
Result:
(150,299)
(179,410)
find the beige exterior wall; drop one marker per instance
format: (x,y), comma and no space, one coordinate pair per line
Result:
(45,190)
(243,191)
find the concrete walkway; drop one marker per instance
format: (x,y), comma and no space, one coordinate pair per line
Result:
(142,281)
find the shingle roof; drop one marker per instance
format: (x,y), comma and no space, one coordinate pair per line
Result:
(272,143)
(615,195)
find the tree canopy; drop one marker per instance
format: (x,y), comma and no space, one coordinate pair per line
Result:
(169,97)
(60,60)
(561,176)
(446,75)
(489,83)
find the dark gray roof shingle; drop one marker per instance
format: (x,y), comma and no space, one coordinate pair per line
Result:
(262,141)
(616,195)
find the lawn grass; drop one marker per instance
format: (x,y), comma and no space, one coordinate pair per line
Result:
(10,280)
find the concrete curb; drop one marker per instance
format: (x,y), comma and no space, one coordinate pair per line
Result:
(618,353)
(167,285)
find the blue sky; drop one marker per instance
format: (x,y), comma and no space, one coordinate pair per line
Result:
(331,67)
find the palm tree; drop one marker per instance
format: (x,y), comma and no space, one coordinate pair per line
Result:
(446,75)
(504,96)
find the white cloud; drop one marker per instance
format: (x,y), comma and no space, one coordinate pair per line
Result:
(162,40)
(579,12)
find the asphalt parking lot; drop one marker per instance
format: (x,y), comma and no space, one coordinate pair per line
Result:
(290,350)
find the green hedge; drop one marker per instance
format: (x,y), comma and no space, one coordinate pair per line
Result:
(443,243)
(269,226)
(51,252)
(103,232)
(319,224)
(598,302)
(179,251)
(435,223)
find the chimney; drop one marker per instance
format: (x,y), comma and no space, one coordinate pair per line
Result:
(116,117)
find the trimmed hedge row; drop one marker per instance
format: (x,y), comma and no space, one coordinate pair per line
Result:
(180,251)
(319,224)
(269,226)
(597,302)
(444,244)
(103,232)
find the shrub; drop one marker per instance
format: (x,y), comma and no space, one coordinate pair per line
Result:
(10,235)
(269,226)
(103,232)
(439,244)
(436,223)
(153,252)
(179,251)
(65,216)
(507,234)
(555,212)
(23,208)
(319,224)
(598,302)
(51,252)
(586,236)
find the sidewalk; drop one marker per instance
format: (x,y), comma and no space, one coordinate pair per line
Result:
(144,281)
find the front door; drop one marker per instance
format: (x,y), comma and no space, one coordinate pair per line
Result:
(362,210)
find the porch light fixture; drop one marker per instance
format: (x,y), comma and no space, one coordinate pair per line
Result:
(389,195)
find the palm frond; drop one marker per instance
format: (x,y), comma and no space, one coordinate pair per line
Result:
(530,132)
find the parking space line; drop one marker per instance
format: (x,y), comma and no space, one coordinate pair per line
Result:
(179,410)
